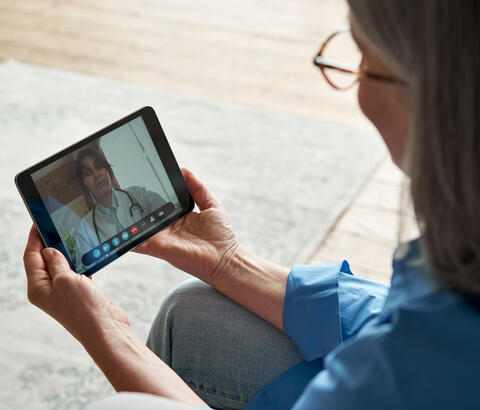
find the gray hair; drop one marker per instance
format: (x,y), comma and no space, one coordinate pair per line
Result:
(434,46)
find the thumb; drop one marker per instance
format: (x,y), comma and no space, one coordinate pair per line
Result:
(55,262)
(201,195)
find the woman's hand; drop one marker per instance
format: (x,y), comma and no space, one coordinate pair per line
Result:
(202,243)
(72,299)
(100,325)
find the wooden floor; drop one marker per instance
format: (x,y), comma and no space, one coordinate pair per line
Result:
(254,52)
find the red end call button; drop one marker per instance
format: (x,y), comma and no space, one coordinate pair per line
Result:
(134,230)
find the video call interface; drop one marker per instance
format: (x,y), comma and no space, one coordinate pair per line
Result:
(104,194)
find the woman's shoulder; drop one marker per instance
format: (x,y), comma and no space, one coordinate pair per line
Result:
(439,316)
(136,190)
(440,322)
(144,195)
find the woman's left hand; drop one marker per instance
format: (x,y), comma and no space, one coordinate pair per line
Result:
(70,298)
(99,325)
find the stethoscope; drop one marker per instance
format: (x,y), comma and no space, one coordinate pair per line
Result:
(132,207)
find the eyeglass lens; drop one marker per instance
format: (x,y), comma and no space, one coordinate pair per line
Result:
(343,50)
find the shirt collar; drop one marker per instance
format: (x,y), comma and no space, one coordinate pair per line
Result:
(108,211)
(412,276)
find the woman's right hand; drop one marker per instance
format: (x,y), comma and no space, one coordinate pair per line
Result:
(204,245)
(201,243)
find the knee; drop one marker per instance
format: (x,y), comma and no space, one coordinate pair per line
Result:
(181,306)
(184,300)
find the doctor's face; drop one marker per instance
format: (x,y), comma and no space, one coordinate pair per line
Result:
(96,177)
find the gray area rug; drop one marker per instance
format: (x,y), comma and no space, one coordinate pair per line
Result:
(283,179)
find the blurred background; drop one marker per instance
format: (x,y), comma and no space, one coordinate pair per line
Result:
(250,52)
(246,53)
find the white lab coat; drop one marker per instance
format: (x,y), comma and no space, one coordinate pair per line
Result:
(86,238)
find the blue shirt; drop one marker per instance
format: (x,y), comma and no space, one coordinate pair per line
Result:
(367,346)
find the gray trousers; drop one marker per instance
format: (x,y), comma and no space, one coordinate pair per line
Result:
(225,353)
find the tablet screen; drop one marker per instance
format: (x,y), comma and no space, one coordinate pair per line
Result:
(107,193)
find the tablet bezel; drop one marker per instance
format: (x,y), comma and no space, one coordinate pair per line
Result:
(39,212)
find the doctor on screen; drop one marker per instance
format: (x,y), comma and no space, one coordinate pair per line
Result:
(111,209)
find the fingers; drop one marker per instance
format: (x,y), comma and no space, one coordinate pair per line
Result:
(38,279)
(32,258)
(55,262)
(37,257)
(150,246)
(34,242)
(202,197)
(142,248)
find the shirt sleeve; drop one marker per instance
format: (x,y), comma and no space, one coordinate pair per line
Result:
(325,305)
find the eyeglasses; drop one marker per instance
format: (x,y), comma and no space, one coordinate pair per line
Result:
(343,76)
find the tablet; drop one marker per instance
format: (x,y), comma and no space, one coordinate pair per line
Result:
(104,195)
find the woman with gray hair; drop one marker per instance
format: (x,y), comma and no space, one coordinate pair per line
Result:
(263,336)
